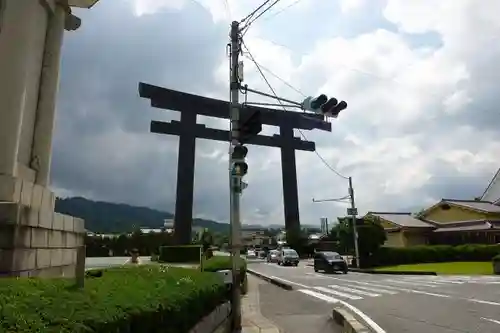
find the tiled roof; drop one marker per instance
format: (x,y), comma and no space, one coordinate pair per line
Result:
(469,226)
(485,206)
(402,219)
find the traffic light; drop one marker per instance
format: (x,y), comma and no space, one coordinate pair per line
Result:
(250,127)
(322,105)
(240,167)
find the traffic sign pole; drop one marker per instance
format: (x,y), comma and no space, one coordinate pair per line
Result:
(353,212)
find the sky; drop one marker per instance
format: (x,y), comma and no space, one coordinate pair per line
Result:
(419,77)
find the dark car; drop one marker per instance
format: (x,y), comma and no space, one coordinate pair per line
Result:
(329,262)
(288,257)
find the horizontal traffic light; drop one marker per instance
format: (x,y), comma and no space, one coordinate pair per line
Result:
(323,105)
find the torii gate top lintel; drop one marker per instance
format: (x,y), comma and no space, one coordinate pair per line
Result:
(174,100)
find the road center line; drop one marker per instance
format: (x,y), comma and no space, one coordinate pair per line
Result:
(491,320)
(482,301)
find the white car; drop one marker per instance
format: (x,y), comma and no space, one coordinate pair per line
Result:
(251,254)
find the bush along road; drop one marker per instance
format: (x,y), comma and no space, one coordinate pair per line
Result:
(126,299)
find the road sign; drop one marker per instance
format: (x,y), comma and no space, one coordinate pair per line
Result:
(352,211)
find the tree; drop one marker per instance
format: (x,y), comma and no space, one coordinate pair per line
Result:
(371,236)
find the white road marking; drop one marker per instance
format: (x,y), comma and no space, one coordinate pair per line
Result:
(378,290)
(338,293)
(319,295)
(354,291)
(291,282)
(421,280)
(482,301)
(369,322)
(491,320)
(403,289)
(420,284)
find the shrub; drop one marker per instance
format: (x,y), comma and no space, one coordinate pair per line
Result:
(182,253)
(150,298)
(496,258)
(218,263)
(388,256)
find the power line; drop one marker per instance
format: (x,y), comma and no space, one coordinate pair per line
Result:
(279,78)
(251,21)
(274,93)
(281,10)
(255,11)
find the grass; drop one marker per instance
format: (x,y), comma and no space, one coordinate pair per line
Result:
(459,268)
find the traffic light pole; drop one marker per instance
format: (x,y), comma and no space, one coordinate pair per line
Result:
(354,227)
(234,181)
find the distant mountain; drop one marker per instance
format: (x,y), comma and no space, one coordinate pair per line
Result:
(111,217)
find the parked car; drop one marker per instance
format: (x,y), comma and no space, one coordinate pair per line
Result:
(329,262)
(262,254)
(272,256)
(288,257)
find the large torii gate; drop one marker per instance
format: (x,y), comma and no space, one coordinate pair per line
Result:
(188,130)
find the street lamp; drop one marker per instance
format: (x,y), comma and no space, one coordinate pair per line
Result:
(82,3)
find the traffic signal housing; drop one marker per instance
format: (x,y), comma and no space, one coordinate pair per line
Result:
(240,167)
(323,105)
(250,127)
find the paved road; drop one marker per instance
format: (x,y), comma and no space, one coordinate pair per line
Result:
(437,304)
(295,312)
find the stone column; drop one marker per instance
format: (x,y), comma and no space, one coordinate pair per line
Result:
(15,40)
(49,84)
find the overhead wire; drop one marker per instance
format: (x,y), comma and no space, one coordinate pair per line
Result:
(251,21)
(280,11)
(284,108)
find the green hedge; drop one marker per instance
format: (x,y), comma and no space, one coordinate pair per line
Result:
(149,298)
(388,256)
(218,263)
(182,253)
(496,258)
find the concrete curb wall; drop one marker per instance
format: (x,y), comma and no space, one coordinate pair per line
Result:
(216,322)
(347,321)
(269,279)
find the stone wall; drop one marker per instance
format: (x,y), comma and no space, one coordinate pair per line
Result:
(34,240)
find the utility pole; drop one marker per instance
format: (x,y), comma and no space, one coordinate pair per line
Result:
(235,180)
(353,212)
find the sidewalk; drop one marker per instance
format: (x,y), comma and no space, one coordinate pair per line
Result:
(252,319)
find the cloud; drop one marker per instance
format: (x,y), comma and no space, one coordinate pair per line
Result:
(420,81)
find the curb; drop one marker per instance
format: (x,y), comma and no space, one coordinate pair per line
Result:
(347,321)
(372,271)
(271,280)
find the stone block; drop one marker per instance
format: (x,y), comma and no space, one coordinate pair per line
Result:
(33,217)
(6,256)
(58,221)
(23,237)
(79,225)
(9,212)
(71,240)
(55,239)
(26,193)
(68,256)
(48,200)
(24,259)
(39,238)
(68,224)
(80,240)
(42,258)
(56,257)
(45,218)
(49,272)
(37,197)
(10,188)
(68,271)
(7,236)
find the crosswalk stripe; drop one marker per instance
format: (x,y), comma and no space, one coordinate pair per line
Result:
(378,290)
(416,283)
(352,290)
(420,280)
(319,295)
(338,293)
